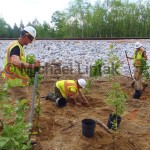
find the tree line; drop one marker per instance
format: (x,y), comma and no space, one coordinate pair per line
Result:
(104,19)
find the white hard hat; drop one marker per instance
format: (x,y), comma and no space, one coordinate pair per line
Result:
(30,30)
(82,83)
(138,45)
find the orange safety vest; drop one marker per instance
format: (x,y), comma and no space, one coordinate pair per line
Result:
(138,58)
(67,85)
(12,72)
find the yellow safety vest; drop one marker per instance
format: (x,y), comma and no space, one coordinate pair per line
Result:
(67,87)
(12,72)
(138,58)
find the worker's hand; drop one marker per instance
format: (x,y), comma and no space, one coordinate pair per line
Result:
(37,64)
(78,104)
(41,70)
(87,102)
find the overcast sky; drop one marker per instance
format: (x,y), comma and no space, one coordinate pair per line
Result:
(13,11)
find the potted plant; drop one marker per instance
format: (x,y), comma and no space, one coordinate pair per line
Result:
(116,96)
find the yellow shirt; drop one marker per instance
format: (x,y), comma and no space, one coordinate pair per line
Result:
(72,89)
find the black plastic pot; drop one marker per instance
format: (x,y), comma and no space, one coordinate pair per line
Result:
(111,121)
(60,101)
(137,94)
(88,127)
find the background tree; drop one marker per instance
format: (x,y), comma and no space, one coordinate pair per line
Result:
(60,22)
(108,18)
(5,29)
(16,31)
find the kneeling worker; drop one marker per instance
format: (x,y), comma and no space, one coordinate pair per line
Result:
(69,90)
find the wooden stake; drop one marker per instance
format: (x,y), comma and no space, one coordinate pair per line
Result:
(104,126)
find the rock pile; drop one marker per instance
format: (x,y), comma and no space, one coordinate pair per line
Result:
(79,55)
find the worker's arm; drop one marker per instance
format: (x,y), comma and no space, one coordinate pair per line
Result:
(83,97)
(75,97)
(144,55)
(17,62)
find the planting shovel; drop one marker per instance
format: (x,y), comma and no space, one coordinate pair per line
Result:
(133,82)
(33,95)
(129,65)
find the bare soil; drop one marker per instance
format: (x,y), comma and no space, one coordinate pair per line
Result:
(61,129)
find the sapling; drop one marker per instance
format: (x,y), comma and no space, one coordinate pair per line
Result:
(88,87)
(31,59)
(96,69)
(31,72)
(116,96)
(145,71)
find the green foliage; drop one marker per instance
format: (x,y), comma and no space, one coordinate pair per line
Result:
(7,109)
(13,83)
(30,59)
(82,19)
(37,109)
(5,29)
(40,77)
(96,69)
(59,20)
(113,62)
(145,70)
(3,93)
(117,98)
(20,110)
(38,101)
(31,72)
(114,123)
(14,135)
(88,87)
(16,31)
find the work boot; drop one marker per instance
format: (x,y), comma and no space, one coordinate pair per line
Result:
(49,96)
(32,141)
(137,94)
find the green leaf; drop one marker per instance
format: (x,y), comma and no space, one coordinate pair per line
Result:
(3,141)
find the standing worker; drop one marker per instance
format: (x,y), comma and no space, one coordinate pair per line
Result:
(15,66)
(139,57)
(69,89)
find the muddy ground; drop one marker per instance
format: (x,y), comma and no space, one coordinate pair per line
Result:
(61,129)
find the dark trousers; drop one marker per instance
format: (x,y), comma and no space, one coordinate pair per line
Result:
(57,92)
